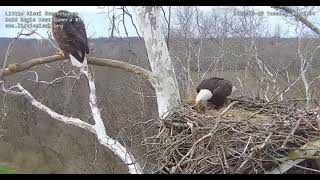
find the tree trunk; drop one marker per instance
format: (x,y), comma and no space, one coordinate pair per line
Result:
(164,81)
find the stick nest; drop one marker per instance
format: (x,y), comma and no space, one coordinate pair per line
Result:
(250,137)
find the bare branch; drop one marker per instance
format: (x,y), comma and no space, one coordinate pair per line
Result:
(97,129)
(50,112)
(121,65)
(299,17)
(134,25)
(15,68)
(11,45)
(104,139)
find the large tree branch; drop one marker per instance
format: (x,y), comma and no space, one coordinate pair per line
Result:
(121,65)
(104,139)
(98,128)
(15,68)
(50,112)
(299,17)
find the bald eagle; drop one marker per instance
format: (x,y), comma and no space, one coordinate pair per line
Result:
(69,31)
(214,90)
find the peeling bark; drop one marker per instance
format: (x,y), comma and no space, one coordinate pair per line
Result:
(164,81)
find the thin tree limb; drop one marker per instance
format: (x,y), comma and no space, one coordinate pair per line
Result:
(299,17)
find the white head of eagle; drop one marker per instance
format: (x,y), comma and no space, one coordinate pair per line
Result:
(70,33)
(214,90)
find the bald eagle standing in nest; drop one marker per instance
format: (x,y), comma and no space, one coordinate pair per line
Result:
(69,31)
(214,90)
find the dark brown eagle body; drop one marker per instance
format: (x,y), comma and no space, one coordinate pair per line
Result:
(220,89)
(69,31)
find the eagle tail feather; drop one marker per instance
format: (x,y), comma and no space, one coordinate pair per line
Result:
(233,89)
(76,63)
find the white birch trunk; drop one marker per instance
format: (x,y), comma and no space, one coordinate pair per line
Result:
(164,80)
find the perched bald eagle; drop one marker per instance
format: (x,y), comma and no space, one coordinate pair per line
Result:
(214,90)
(69,31)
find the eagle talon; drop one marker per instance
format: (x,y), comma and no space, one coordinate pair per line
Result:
(61,55)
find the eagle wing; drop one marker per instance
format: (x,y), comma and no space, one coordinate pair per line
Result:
(76,36)
(223,90)
(210,84)
(219,91)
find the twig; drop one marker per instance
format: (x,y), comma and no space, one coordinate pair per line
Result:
(292,133)
(245,148)
(219,116)
(227,108)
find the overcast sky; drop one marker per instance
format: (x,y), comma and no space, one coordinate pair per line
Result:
(97,20)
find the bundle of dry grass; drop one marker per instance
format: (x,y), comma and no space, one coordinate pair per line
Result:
(248,136)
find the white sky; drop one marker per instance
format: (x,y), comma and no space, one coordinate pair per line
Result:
(97,20)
